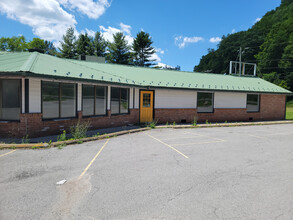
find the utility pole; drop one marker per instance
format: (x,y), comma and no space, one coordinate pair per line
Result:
(240,53)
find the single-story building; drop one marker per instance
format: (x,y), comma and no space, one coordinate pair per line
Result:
(42,95)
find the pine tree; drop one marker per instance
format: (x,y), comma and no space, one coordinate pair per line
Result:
(118,50)
(68,45)
(143,50)
(84,45)
(100,45)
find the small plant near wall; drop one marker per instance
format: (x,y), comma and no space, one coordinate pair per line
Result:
(167,123)
(60,146)
(194,122)
(207,122)
(62,137)
(80,129)
(25,140)
(151,124)
(174,123)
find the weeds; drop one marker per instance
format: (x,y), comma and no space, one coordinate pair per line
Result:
(60,146)
(167,123)
(194,122)
(80,129)
(35,147)
(151,124)
(79,142)
(25,140)
(174,123)
(207,122)
(61,137)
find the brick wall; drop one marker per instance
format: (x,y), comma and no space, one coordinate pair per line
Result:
(34,126)
(272,107)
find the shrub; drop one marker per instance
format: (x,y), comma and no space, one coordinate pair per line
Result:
(62,137)
(80,129)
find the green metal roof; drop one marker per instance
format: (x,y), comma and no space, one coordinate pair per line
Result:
(36,64)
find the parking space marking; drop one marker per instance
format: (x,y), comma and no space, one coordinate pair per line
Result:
(7,153)
(194,143)
(88,166)
(168,146)
(260,137)
(188,132)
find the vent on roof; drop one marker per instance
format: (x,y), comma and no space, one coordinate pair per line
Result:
(92,58)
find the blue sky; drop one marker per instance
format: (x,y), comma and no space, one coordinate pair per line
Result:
(182,31)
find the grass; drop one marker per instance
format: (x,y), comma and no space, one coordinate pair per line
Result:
(289,110)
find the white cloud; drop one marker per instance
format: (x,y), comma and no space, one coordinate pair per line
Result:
(93,9)
(257,20)
(215,39)
(108,32)
(125,28)
(159,50)
(233,31)
(90,33)
(49,19)
(181,41)
(46,17)
(163,65)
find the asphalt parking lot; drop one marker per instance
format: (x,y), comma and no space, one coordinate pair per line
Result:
(207,173)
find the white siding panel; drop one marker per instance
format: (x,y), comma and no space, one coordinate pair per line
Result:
(109,98)
(167,98)
(136,98)
(229,100)
(79,96)
(130,97)
(34,95)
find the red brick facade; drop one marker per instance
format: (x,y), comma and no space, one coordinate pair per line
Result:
(272,107)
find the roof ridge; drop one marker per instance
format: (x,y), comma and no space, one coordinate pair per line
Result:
(27,66)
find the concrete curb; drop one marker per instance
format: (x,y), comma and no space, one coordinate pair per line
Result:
(100,137)
(228,124)
(104,136)
(15,146)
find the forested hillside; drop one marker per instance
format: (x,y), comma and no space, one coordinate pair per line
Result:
(269,43)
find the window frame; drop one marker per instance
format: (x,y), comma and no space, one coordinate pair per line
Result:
(20,100)
(258,103)
(59,101)
(95,95)
(128,97)
(213,102)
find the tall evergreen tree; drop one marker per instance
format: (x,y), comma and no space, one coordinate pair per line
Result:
(50,48)
(100,45)
(68,45)
(84,45)
(143,50)
(118,50)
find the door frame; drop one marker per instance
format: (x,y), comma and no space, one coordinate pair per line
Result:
(146,90)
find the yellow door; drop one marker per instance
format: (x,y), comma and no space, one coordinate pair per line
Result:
(146,106)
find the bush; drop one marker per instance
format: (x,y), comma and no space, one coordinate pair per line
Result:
(62,137)
(80,129)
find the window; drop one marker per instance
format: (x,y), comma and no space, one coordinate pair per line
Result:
(10,101)
(94,100)
(119,100)
(205,102)
(252,103)
(58,100)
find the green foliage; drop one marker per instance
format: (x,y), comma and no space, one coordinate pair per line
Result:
(118,50)
(207,122)
(62,137)
(25,140)
(60,146)
(85,45)
(194,122)
(174,123)
(68,44)
(152,124)
(100,45)
(269,43)
(80,129)
(143,50)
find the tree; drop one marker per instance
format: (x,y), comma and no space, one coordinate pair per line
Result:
(84,45)
(13,44)
(50,48)
(100,45)
(37,43)
(118,50)
(68,45)
(143,50)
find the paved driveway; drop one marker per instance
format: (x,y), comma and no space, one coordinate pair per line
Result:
(208,173)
